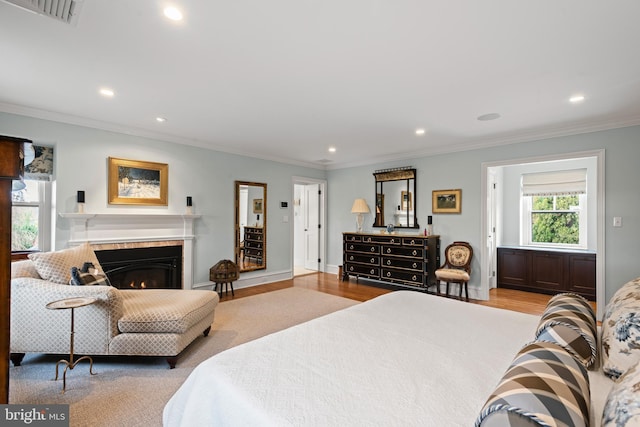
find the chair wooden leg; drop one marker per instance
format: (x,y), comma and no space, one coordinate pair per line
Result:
(447,290)
(466,290)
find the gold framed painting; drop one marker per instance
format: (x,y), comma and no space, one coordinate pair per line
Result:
(446,201)
(135,182)
(257,206)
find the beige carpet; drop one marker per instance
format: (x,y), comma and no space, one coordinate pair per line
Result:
(132,392)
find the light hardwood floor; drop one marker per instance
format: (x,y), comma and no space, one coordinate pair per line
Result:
(525,302)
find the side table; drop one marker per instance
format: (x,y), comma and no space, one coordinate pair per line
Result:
(71,303)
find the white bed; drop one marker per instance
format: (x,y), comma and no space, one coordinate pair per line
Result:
(402,359)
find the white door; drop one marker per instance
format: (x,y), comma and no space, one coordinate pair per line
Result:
(492,208)
(311,226)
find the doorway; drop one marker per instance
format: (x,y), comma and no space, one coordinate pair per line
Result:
(493,218)
(308,225)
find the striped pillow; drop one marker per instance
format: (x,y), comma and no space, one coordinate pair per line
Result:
(570,321)
(543,386)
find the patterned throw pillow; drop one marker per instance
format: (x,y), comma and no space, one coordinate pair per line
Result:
(621,330)
(56,266)
(570,321)
(543,386)
(623,403)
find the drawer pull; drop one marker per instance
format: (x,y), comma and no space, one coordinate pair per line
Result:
(351,258)
(388,262)
(388,250)
(393,240)
(373,260)
(351,247)
(351,268)
(413,242)
(373,248)
(414,278)
(415,265)
(415,252)
(372,271)
(369,239)
(388,274)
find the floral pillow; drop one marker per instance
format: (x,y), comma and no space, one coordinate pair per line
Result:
(623,403)
(621,331)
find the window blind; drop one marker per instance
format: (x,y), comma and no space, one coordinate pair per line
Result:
(555,183)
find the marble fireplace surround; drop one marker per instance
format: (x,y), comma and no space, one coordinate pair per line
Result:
(125,231)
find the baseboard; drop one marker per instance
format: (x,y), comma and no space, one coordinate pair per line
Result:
(254,280)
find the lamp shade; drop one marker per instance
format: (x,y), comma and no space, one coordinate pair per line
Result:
(360,206)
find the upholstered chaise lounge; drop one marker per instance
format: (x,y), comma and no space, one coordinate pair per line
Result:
(142,322)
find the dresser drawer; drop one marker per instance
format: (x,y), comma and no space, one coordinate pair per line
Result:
(387,240)
(413,241)
(352,238)
(248,244)
(252,252)
(363,270)
(404,276)
(370,249)
(403,251)
(408,264)
(363,259)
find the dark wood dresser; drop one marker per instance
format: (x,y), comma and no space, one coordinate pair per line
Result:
(254,243)
(11,167)
(547,271)
(405,260)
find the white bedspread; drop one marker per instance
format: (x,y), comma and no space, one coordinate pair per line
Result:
(402,359)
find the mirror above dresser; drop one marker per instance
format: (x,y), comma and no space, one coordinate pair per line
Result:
(396,198)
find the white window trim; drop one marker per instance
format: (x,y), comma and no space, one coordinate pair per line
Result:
(525,225)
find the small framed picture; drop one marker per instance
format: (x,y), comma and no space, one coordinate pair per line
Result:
(446,201)
(257,206)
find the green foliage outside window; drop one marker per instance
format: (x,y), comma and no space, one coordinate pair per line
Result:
(24,228)
(553,221)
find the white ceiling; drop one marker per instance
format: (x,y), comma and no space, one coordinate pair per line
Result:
(287,79)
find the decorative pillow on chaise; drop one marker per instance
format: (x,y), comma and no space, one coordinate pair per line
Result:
(56,266)
(623,403)
(621,330)
(544,386)
(570,321)
(88,275)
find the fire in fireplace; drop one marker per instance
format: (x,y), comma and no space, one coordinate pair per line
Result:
(143,268)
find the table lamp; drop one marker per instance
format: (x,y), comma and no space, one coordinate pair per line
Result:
(359,207)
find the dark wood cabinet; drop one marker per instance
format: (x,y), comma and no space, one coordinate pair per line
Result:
(254,243)
(399,259)
(547,271)
(11,167)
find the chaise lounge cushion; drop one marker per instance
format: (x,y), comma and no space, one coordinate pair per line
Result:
(159,311)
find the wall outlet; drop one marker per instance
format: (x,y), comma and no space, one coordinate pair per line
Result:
(617,221)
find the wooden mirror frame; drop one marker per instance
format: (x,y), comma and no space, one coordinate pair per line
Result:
(256,247)
(407,191)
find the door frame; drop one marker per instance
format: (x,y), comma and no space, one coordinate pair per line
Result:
(600,234)
(322,217)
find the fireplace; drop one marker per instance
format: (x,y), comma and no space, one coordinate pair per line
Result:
(143,268)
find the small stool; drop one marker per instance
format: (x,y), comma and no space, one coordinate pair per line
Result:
(223,274)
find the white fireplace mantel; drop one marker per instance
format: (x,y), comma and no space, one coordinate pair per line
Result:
(99,229)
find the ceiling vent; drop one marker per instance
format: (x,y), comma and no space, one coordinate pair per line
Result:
(61,10)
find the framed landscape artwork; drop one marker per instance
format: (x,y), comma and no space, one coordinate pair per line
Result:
(135,182)
(257,206)
(446,201)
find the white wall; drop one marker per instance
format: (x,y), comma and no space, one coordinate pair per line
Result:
(208,176)
(463,170)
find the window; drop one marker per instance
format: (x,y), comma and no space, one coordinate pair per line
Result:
(30,220)
(554,209)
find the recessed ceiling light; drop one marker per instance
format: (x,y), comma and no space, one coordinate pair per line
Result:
(489,116)
(160,119)
(332,149)
(420,131)
(173,13)
(576,98)
(105,91)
